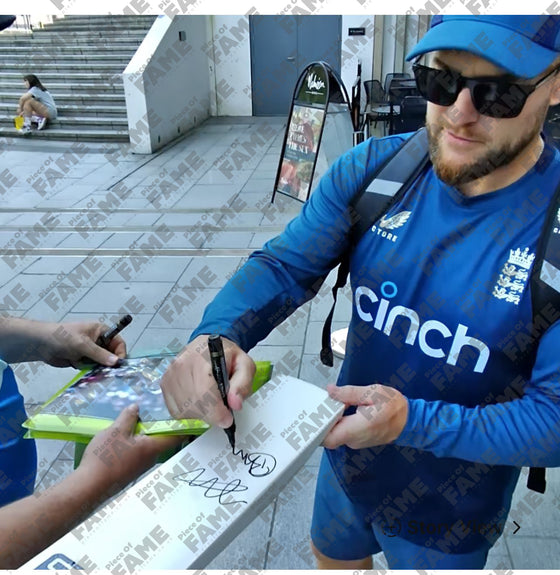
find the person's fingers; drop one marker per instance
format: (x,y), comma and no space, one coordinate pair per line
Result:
(127,419)
(350,394)
(167,387)
(208,404)
(241,381)
(339,434)
(117,346)
(91,350)
(190,391)
(351,430)
(179,375)
(221,415)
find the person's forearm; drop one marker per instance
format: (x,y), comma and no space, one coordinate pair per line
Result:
(32,524)
(290,268)
(521,432)
(21,339)
(24,98)
(259,297)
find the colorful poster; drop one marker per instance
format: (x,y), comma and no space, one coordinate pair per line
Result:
(318,94)
(302,142)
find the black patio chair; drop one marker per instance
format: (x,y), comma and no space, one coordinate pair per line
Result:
(390,76)
(412,114)
(375,98)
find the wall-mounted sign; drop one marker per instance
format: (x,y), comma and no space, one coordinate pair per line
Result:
(316,87)
(356,31)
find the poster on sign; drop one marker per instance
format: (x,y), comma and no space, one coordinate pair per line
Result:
(319,92)
(302,143)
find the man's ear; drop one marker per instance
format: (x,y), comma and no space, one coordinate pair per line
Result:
(555,92)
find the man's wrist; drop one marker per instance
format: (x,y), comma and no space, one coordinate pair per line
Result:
(93,486)
(407,436)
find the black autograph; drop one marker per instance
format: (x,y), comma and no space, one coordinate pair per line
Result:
(261,464)
(214,488)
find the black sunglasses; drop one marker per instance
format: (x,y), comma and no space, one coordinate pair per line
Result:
(491,95)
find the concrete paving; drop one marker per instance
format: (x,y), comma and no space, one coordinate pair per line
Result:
(91,231)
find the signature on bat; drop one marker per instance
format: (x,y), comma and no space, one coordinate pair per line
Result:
(213,487)
(260,465)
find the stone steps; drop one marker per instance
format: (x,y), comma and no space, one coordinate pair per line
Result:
(80,122)
(67,28)
(121,22)
(80,60)
(55,133)
(101,86)
(45,38)
(97,17)
(22,50)
(100,31)
(71,108)
(64,68)
(97,100)
(112,86)
(8,57)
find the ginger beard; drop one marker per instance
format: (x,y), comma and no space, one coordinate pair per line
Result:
(496,155)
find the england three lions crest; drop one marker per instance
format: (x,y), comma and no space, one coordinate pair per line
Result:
(513,278)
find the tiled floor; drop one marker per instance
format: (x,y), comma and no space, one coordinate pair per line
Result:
(212,217)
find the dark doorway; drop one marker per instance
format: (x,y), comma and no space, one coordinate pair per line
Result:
(281,47)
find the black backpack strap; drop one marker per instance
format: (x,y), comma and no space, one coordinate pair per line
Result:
(537,479)
(545,276)
(545,296)
(387,185)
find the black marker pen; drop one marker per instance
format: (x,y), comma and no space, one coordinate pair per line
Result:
(219,370)
(105,339)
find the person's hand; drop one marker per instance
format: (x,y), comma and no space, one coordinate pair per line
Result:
(69,344)
(116,456)
(379,419)
(190,390)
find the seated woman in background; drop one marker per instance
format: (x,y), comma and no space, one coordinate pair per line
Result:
(36,102)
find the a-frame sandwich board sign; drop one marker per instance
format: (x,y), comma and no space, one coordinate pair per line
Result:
(319,98)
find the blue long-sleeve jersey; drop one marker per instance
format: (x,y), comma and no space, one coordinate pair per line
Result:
(442,311)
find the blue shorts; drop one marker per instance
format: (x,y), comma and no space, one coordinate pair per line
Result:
(340,531)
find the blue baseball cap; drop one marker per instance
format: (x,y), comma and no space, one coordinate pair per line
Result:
(522,45)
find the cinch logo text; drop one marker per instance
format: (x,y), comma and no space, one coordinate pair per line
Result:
(385,318)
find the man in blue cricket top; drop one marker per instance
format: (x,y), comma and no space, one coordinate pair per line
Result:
(442,415)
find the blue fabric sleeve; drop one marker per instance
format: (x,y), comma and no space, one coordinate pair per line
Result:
(18,456)
(289,269)
(518,432)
